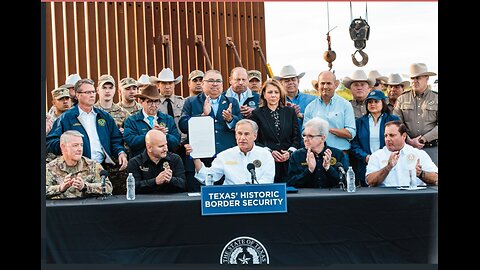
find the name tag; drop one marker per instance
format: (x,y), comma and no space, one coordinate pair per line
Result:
(231,162)
(244,199)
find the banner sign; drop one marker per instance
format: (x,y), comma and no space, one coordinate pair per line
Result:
(244,199)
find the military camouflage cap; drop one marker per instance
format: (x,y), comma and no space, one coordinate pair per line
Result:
(195,74)
(254,74)
(127,82)
(106,79)
(59,93)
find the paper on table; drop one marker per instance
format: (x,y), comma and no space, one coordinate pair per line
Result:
(201,136)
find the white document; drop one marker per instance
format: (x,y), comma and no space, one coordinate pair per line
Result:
(201,136)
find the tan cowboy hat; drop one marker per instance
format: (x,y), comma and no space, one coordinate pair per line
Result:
(150,92)
(288,72)
(396,79)
(166,75)
(377,76)
(420,69)
(358,76)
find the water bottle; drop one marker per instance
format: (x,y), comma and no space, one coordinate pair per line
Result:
(351,180)
(130,187)
(209,180)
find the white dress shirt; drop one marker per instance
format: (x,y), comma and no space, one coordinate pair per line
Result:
(233,164)
(89,123)
(399,175)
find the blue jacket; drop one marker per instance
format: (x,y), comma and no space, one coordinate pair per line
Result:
(224,136)
(108,132)
(360,145)
(135,129)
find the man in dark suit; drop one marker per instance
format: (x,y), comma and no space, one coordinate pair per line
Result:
(224,110)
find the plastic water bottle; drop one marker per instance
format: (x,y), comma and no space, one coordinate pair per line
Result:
(351,180)
(209,180)
(130,187)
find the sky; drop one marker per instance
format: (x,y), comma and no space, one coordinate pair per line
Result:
(401,33)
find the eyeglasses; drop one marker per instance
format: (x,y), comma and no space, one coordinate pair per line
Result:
(308,136)
(212,81)
(150,102)
(87,92)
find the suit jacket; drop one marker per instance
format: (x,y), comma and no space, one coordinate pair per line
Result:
(267,134)
(224,135)
(360,145)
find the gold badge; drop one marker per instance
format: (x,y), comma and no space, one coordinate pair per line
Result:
(257,163)
(166,165)
(101,122)
(431,102)
(162,124)
(333,161)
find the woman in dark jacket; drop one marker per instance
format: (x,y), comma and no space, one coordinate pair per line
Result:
(370,132)
(278,129)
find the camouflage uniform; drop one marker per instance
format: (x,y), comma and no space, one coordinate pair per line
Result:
(118,113)
(135,108)
(57,170)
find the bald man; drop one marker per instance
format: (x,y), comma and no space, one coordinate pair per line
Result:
(156,170)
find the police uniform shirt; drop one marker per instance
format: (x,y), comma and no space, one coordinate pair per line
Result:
(177,106)
(233,164)
(145,171)
(399,175)
(419,113)
(359,108)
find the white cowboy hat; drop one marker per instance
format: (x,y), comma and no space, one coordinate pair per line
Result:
(420,69)
(358,76)
(377,76)
(143,80)
(288,72)
(166,75)
(396,79)
(72,79)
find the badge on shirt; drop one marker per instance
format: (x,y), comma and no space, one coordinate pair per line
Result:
(411,157)
(162,124)
(251,104)
(257,163)
(333,161)
(166,165)
(143,169)
(101,122)
(431,102)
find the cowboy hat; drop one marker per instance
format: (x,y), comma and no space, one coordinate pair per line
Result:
(166,75)
(288,72)
(150,92)
(358,76)
(420,69)
(377,76)
(396,79)
(143,80)
(71,80)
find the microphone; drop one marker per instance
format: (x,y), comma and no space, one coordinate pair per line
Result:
(103,175)
(339,167)
(251,169)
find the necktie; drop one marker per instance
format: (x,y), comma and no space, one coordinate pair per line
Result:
(150,119)
(169,107)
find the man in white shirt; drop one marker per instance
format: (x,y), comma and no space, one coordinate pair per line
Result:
(233,162)
(390,166)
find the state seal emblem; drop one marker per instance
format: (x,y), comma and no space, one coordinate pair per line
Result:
(244,250)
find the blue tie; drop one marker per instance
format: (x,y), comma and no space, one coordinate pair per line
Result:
(150,119)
